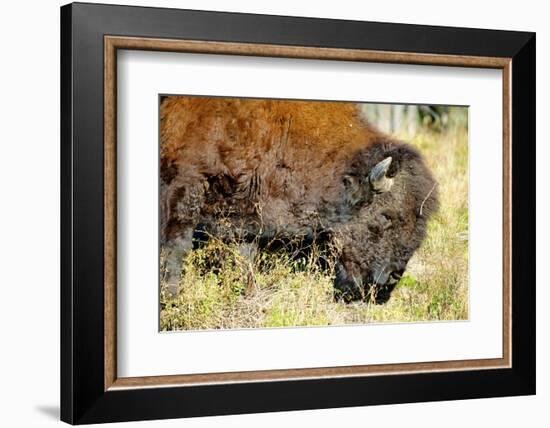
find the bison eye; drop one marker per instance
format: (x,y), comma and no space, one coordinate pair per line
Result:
(375,232)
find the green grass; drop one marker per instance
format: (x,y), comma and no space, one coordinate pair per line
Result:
(272,291)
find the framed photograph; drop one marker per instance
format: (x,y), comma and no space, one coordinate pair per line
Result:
(266,213)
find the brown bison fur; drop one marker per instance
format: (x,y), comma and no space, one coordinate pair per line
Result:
(293,169)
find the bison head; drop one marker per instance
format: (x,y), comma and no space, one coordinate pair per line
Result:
(390,194)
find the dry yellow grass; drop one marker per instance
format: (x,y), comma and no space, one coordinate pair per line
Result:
(273,291)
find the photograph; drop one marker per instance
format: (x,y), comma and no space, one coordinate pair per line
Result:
(298,213)
(263,211)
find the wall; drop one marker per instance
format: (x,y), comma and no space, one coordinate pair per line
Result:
(29,231)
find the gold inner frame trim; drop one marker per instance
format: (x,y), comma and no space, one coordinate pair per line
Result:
(113,43)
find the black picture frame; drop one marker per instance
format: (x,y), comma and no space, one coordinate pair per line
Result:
(83,396)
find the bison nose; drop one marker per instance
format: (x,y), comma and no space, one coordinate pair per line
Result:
(397,274)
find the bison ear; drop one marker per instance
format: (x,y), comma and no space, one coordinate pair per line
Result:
(378,178)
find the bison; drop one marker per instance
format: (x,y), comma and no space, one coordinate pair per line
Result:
(308,169)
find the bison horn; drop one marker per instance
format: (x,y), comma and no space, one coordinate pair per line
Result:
(377,176)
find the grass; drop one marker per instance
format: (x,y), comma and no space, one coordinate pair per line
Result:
(273,290)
